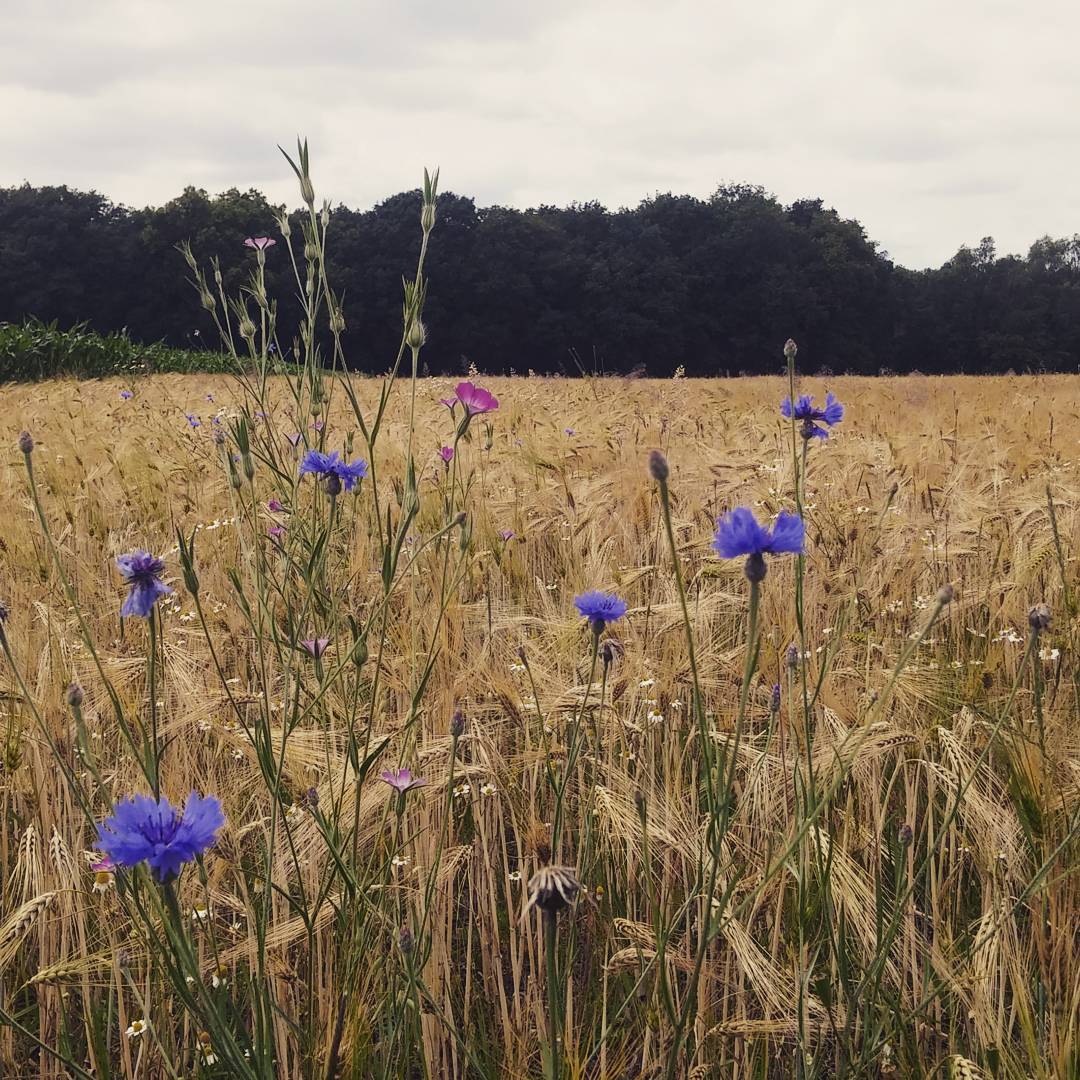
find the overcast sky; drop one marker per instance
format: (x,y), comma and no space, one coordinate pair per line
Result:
(932,123)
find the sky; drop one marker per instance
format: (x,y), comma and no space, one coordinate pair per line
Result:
(933,124)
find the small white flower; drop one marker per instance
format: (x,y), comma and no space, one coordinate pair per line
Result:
(646,683)
(136,1028)
(488,789)
(1049,654)
(399,860)
(104,881)
(220,976)
(655,717)
(200,913)
(515,875)
(517,668)
(462,790)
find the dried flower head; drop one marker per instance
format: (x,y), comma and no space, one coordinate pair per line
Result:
(553,889)
(1039,617)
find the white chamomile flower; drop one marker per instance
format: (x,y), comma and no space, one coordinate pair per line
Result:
(200,912)
(461,790)
(488,789)
(136,1028)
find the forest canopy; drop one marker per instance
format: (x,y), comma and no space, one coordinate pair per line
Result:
(713,285)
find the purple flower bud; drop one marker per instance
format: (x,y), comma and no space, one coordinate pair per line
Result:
(26,443)
(658,467)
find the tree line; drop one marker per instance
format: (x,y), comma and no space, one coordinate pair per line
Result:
(713,285)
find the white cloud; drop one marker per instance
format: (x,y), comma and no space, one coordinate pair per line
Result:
(932,124)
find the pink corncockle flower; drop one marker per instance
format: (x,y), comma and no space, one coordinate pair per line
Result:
(506,535)
(260,243)
(275,507)
(276,531)
(401,780)
(316,646)
(295,439)
(447,454)
(476,399)
(318,425)
(449,402)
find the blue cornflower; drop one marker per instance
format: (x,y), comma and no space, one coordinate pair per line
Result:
(194,421)
(804,410)
(142,829)
(142,571)
(600,608)
(127,395)
(738,533)
(328,465)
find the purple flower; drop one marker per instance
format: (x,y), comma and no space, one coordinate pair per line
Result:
(475,399)
(506,535)
(804,410)
(275,507)
(260,243)
(144,830)
(295,439)
(327,465)
(569,431)
(209,397)
(401,780)
(276,531)
(600,608)
(318,425)
(194,421)
(351,474)
(127,395)
(316,646)
(450,403)
(142,571)
(738,533)
(447,454)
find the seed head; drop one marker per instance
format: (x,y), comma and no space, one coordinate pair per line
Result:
(553,889)
(26,443)
(1039,618)
(610,651)
(790,349)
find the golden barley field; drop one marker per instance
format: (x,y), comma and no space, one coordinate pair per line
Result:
(893,891)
